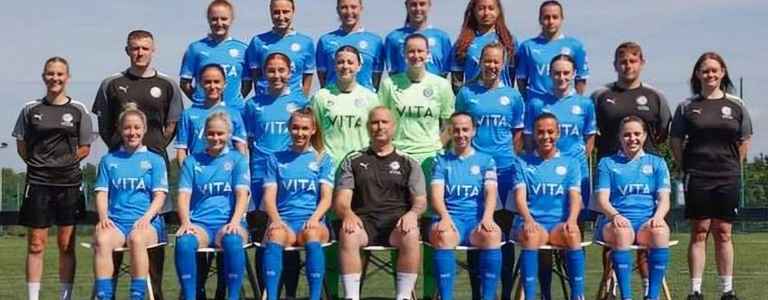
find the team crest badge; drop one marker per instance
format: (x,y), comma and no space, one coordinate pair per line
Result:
(475,169)
(145,165)
(647,169)
(432,42)
(504,100)
(428,92)
(313,166)
(295,47)
(561,170)
(156,92)
(565,51)
(234,52)
(576,110)
(66,120)
(363,44)
(727,112)
(641,100)
(228,166)
(361,103)
(394,166)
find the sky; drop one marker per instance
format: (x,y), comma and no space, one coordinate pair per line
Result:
(91,35)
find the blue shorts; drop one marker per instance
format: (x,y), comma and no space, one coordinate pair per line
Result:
(517,226)
(464,227)
(157,223)
(602,221)
(295,224)
(213,229)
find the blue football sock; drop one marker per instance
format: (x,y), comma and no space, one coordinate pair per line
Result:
(657,263)
(138,288)
(445,268)
(272,268)
(234,263)
(490,268)
(622,265)
(529,270)
(104,289)
(186,264)
(315,269)
(574,260)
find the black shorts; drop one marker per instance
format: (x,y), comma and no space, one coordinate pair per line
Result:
(379,228)
(711,198)
(44,206)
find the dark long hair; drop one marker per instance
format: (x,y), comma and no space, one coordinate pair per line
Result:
(470,25)
(725,84)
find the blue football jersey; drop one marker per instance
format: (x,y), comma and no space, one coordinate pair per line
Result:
(266,123)
(464,179)
(298,47)
(298,177)
(129,179)
(438,62)
(535,55)
(547,184)
(471,63)
(576,115)
(370,46)
(212,182)
(190,133)
(633,184)
(498,112)
(229,54)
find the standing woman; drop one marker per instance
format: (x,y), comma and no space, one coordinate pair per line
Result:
(131,188)
(217,48)
(547,200)
(417,21)
(535,54)
(498,111)
(484,23)
(342,108)
(710,137)
(190,137)
(351,33)
(213,199)
(282,38)
(633,195)
(297,194)
(53,135)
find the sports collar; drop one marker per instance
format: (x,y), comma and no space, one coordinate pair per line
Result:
(408,26)
(557,154)
(223,151)
(638,155)
(289,33)
(462,157)
(138,150)
(558,37)
(361,29)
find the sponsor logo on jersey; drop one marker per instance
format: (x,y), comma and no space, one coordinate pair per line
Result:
(145,165)
(205,53)
(428,92)
(313,166)
(198,168)
(361,102)
(282,166)
(155,92)
(561,170)
(66,120)
(611,101)
(504,100)
(647,169)
(696,111)
(295,47)
(234,52)
(112,166)
(38,117)
(475,170)
(364,165)
(124,89)
(363,44)
(727,112)
(331,103)
(576,110)
(473,100)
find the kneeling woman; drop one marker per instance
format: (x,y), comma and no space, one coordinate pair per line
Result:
(130,191)
(213,198)
(464,196)
(633,195)
(297,193)
(552,183)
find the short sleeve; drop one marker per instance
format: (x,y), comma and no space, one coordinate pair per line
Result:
(345,179)
(85,131)
(665,116)
(390,51)
(521,71)
(21,125)
(582,63)
(439,171)
(241,175)
(662,176)
(270,171)
(380,55)
(446,55)
(518,111)
(326,175)
(416,181)
(187,175)
(309,62)
(745,126)
(448,100)
(679,125)
(603,175)
(188,64)
(456,64)
(252,54)
(461,100)
(531,109)
(182,131)
(159,175)
(573,177)
(102,177)
(590,120)
(176,105)
(238,128)
(490,175)
(384,92)
(320,56)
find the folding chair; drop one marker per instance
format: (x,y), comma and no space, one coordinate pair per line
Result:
(609,284)
(121,268)
(464,265)
(558,268)
(326,293)
(209,270)
(382,264)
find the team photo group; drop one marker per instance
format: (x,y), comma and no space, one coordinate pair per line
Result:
(484,141)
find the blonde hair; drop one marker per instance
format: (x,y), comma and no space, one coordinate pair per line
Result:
(219,115)
(132,109)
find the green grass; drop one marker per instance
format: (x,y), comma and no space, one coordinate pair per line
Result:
(749,280)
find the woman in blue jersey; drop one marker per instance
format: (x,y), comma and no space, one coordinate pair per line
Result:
(297,193)
(535,54)
(633,195)
(548,201)
(217,48)
(464,199)
(131,187)
(484,23)
(213,199)
(576,116)
(351,33)
(498,111)
(282,38)
(417,21)
(190,135)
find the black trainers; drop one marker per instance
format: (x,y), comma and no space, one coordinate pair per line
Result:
(695,296)
(729,296)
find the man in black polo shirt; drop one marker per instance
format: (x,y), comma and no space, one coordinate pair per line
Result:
(380,194)
(156,94)
(629,96)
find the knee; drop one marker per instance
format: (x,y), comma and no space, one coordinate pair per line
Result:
(699,235)
(137,240)
(186,244)
(722,236)
(311,234)
(349,240)
(486,237)
(439,239)
(277,235)
(35,247)
(232,242)
(409,240)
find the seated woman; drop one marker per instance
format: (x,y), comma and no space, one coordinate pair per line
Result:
(633,195)
(130,191)
(464,198)
(297,192)
(213,198)
(552,183)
